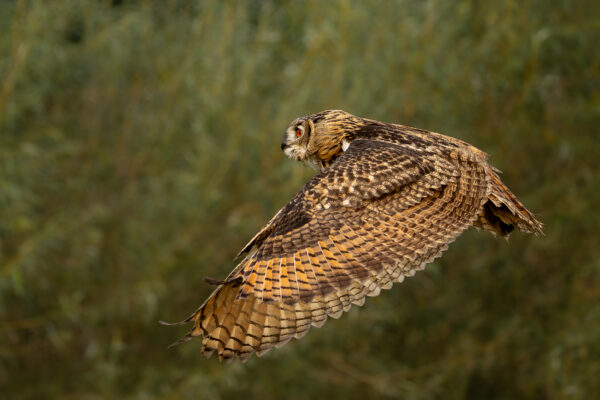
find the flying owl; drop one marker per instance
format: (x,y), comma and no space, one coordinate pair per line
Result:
(387,200)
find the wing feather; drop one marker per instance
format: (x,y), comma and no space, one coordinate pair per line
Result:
(346,235)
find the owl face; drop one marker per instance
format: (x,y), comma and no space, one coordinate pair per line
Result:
(318,139)
(297,139)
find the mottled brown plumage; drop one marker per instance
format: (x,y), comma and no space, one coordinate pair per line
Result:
(388,199)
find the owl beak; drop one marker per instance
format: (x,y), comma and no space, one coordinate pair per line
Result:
(283,145)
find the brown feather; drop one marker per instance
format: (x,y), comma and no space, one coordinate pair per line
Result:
(388,200)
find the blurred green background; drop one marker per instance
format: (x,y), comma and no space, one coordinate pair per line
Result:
(139,151)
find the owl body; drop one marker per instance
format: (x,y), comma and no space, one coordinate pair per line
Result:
(387,200)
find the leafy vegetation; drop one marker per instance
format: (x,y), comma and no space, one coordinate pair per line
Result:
(139,151)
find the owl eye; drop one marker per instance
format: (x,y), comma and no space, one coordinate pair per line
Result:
(299,133)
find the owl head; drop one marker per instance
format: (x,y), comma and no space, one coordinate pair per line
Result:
(318,139)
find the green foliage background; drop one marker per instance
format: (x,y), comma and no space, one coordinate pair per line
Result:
(139,150)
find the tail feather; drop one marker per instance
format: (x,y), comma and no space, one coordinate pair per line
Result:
(503,211)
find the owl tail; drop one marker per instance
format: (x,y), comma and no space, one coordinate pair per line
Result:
(503,211)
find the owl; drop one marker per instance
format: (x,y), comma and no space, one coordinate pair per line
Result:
(387,200)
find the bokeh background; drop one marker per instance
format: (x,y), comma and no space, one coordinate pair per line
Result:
(139,151)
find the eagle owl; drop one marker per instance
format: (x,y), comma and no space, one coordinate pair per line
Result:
(387,200)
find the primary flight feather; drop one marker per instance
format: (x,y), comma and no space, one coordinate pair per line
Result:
(387,200)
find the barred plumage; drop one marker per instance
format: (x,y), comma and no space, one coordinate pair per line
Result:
(388,199)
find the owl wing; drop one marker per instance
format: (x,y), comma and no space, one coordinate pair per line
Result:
(380,212)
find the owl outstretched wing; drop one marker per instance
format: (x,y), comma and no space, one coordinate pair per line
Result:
(379,213)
